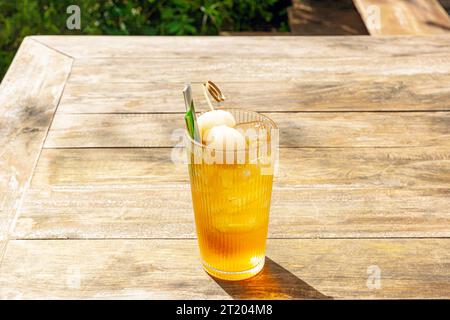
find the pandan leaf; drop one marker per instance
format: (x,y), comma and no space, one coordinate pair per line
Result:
(191,123)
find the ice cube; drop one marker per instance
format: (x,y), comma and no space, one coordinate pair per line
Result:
(257,138)
(255,132)
(239,214)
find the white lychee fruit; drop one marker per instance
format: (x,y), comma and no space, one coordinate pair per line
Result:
(225,138)
(214,118)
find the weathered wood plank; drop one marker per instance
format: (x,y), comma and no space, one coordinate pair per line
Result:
(170,269)
(377,129)
(306,168)
(255,69)
(98,212)
(403,17)
(29,94)
(268,47)
(329,192)
(424,92)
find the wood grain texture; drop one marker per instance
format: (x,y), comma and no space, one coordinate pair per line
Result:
(403,17)
(199,48)
(2,249)
(255,69)
(423,92)
(29,94)
(309,167)
(377,129)
(329,192)
(102,212)
(169,269)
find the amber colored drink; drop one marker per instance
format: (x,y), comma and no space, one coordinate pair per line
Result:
(231,206)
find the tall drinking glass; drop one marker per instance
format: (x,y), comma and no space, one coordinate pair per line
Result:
(231,192)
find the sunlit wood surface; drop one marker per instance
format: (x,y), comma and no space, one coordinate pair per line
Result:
(92,204)
(404,17)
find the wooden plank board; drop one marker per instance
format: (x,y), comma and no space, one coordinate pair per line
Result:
(380,93)
(329,192)
(403,17)
(29,95)
(377,129)
(254,69)
(230,47)
(170,269)
(306,168)
(165,211)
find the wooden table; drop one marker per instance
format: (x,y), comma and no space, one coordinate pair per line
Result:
(92,205)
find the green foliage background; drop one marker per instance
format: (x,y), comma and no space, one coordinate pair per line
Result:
(19,18)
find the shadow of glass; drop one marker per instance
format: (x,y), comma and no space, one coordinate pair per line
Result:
(273,282)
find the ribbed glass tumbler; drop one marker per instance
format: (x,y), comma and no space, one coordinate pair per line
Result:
(231,192)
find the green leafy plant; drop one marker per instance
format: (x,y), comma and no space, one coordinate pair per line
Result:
(20,18)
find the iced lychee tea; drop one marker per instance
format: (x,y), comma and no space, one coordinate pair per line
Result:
(232,201)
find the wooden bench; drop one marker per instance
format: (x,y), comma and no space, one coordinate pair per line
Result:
(403,17)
